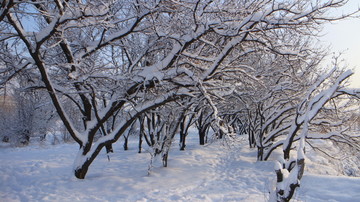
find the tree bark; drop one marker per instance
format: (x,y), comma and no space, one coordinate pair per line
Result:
(182,141)
(126,140)
(83,161)
(202,136)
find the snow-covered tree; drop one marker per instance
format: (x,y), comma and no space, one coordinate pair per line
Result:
(127,57)
(289,170)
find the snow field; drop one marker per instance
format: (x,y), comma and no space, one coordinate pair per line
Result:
(200,173)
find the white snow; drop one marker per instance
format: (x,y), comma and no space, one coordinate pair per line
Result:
(42,34)
(43,172)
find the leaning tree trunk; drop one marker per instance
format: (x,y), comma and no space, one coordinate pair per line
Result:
(84,159)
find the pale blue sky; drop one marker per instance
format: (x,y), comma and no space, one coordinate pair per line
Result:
(344,36)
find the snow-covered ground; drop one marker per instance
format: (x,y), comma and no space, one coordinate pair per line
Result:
(201,173)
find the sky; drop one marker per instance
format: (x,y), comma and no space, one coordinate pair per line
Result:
(344,36)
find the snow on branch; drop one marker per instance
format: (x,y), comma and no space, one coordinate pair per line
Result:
(310,107)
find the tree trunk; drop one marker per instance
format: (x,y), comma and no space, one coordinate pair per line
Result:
(81,172)
(126,140)
(109,148)
(202,134)
(140,141)
(182,141)
(165,158)
(260,153)
(283,195)
(84,159)
(288,144)
(252,142)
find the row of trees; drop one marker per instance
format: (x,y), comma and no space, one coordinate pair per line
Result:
(246,67)
(25,114)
